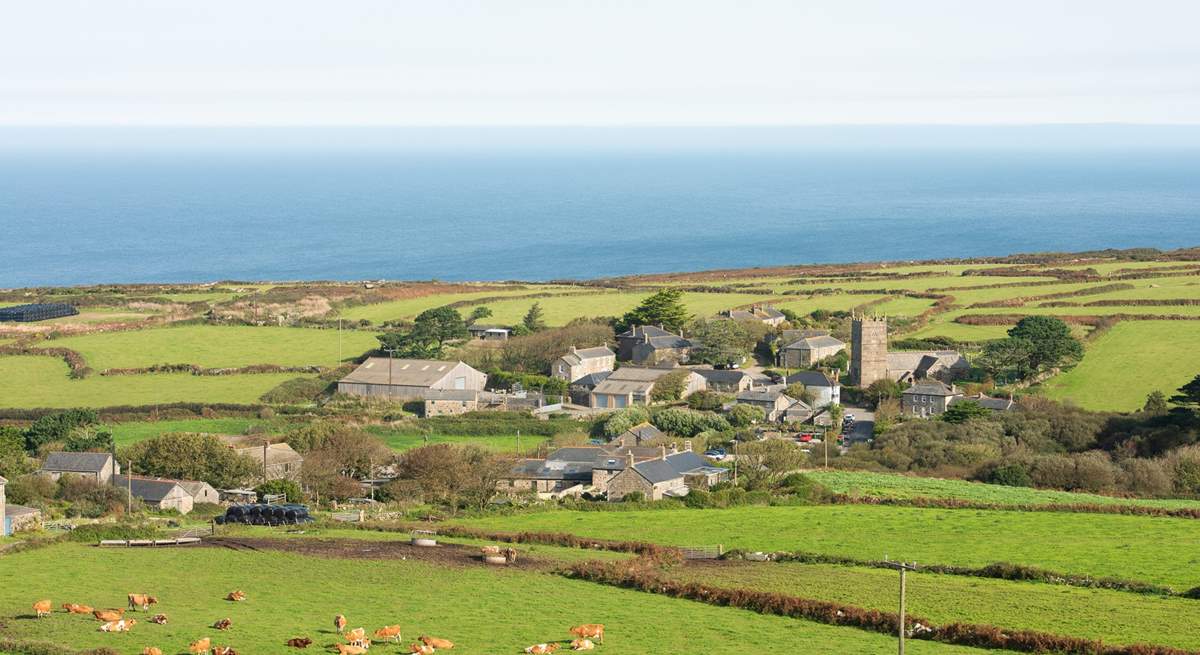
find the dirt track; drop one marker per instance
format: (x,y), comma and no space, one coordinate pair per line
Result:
(444,554)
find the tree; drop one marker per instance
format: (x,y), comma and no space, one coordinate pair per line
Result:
(187,456)
(1051,343)
(56,427)
(1006,358)
(836,412)
(663,308)
(431,330)
(477,314)
(963,411)
(453,475)
(86,438)
(763,463)
(722,343)
(670,386)
(1156,403)
(534,321)
(797,391)
(881,390)
(1189,394)
(289,488)
(13,460)
(741,416)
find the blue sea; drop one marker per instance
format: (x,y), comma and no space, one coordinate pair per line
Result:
(204,212)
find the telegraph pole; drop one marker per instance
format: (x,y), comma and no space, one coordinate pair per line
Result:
(903,567)
(129,485)
(391,352)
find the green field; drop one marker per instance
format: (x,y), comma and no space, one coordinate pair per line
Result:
(1158,550)
(410,307)
(890,485)
(219,346)
(482,610)
(401,441)
(559,310)
(43,382)
(133,432)
(1133,359)
(1115,617)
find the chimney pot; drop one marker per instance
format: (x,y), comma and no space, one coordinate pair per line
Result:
(662,452)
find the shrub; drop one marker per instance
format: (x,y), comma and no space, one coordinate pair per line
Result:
(707,400)
(741,415)
(290,489)
(670,387)
(1010,475)
(634,497)
(611,425)
(687,423)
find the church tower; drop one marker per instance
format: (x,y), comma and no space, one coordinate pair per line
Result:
(868,350)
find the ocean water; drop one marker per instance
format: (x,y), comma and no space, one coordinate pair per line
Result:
(70,217)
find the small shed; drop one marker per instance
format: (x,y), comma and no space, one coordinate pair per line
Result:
(200,491)
(156,492)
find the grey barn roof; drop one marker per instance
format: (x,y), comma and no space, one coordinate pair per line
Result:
(812,379)
(722,375)
(77,462)
(151,489)
(811,343)
(931,388)
(404,372)
(578,355)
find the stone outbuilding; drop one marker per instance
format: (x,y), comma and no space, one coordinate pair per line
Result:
(771,400)
(648,345)
(409,379)
(726,381)
(631,385)
(808,351)
(579,363)
(98,467)
(667,475)
(201,492)
(928,398)
(158,493)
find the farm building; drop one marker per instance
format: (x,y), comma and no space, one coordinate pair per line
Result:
(765,313)
(99,467)
(636,436)
(37,312)
(649,345)
(489,332)
(808,351)
(201,492)
(572,471)
(825,388)
(928,398)
(15,518)
(156,492)
(579,363)
(728,381)
(580,390)
(277,461)
(988,402)
(409,379)
(771,400)
(631,385)
(669,474)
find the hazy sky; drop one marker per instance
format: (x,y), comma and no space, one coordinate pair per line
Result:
(565,62)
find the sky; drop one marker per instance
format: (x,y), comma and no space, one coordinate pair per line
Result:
(588,63)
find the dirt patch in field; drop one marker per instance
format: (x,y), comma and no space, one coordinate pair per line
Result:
(445,554)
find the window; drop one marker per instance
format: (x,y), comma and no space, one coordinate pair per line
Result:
(460,383)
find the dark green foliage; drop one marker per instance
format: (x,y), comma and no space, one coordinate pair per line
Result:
(534,319)
(708,400)
(722,343)
(670,387)
(185,456)
(741,416)
(290,489)
(634,497)
(86,439)
(57,427)
(13,459)
(664,308)
(1156,403)
(498,379)
(1051,342)
(1189,394)
(90,499)
(477,314)
(882,389)
(963,411)
(31,489)
(430,331)
(687,423)
(1010,475)
(1007,359)
(613,424)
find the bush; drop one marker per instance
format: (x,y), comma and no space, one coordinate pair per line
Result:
(97,532)
(611,425)
(670,387)
(708,400)
(741,416)
(290,489)
(31,489)
(634,497)
(687,423)
(1010,475)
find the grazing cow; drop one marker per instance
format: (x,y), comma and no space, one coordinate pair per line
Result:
(391,632)
(349,649)
(160,619)
(356,637)
(434,642)
(236,596)
(200,647)
(582,644)
(109,614)
(223,624)
(223,650)
(299,642)
(420,649)
(151,650)
(120,625)
(42,608)
(541,649)
(589,631)
(339,623)
(490,550)
(510,555)
(78,609)
(143,601)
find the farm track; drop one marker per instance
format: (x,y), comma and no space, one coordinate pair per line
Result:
(456,555)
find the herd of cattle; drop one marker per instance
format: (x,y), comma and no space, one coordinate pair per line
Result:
(356,640)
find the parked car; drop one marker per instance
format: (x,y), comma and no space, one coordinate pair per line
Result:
(716,453)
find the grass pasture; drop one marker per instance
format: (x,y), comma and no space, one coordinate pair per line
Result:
(1106,545)
(133,432)
(560,309)
(482,610)
(42,382)
(219,346)
(401,441)
(891,485)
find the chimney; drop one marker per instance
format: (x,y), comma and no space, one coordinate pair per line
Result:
(674,448)
(630,459)
(687,446)
(662,452)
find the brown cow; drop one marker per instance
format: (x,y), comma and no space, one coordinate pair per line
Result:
(223,624)
(541,649)
(349,649)
(389,632)
(434,642)
(78,609)
(42,608)
(357,637)
(339,623)
(582,644)
(236,596)
(200,647)
(420,649)
(121,625)
(160,619)
(223,650)
(589,631)
(151,650)
(143,601)
(109,614)
(299,642)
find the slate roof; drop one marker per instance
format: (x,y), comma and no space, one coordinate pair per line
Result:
(148,489)
(763,395)
(405,372)
(812,379)
(591,379)
(643,432)
(576,454)
(673,467)
(922,363)
(812,343)
(277,453)
(194,487)
(77,462)
(545,469)
(652,331)
(658,337)
(931,388)
(724,376)
(578,355)
(19,510)
(630,379)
